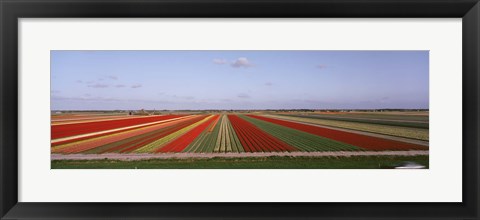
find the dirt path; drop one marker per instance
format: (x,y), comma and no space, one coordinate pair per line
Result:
(145,156)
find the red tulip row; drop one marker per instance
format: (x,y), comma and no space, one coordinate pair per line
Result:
(136,143)
(66,130)
(179,144)
(105,142)
(359,140)
(255,140)
(103,134)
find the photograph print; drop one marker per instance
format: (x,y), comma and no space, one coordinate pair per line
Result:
(239,109)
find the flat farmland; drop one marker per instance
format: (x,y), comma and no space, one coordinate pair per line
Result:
(205,136)
(411,125)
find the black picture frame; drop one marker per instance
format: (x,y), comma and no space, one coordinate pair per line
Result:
(12,10)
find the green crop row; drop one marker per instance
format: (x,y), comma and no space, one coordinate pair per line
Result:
(205,142)
(165,140)
(408,124)
(412,133)
(221,139)
(299,139)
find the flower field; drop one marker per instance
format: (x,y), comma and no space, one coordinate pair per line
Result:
(206,133)
(415,132)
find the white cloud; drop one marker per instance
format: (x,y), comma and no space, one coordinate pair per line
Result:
(241,62)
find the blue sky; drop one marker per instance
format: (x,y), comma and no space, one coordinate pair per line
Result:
(178,80)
